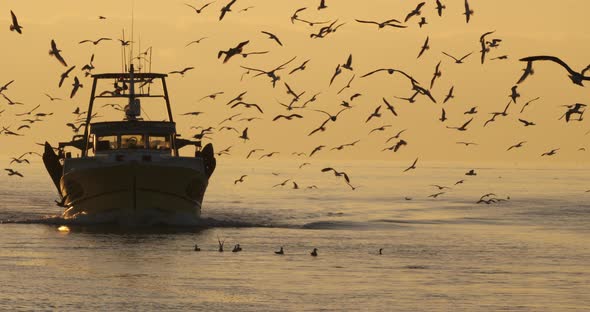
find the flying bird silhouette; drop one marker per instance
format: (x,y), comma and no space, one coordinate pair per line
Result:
(15,26)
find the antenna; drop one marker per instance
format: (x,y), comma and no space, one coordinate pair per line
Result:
(132,24)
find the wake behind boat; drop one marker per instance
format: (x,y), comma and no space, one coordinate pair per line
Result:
(130,171)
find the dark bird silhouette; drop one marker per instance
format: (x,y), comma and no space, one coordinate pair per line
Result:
(468,12)
(5,86)
(526,123)
(527,104)
(192,113)
(212,95)
(321,128)
(10,102)
(440,7)
(467,143)
(29,112)
(471,111)
(382,128)
(230,118)
(226,8)
(15,26)
(463,127)
(331,117)
(575,77)
(392,22)
(273,37)
(240,97)
(573,109)
(12,172)
(295,16)
(389,107)
(94,42)
(241,179)
(422,22)
(317,149)
(424,47)
(76,85)
(514,94)
(415,11)
(64,76)
(181,72)
(413,166)
(196,41)
(517,145)
(280,252)
(270,73)
(484,46)
(437,74)
(300,67)
(199,10)
(314,253)
(322,5)
(336,73)
(74,127)
(391,71)
(501,57)
(460,60)
(248,105)
(449,95)
(337,173)
(443,116)
(397,146)
(232,51)
(244,135)
(289,117)
(340,147)
(253,151)
(471,173)
(550,153)
(56,52)
(375,114)
(396,136)
(268,155)
(348,64)
(436,195)
(282,183)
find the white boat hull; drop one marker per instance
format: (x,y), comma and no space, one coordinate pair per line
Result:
(135,192)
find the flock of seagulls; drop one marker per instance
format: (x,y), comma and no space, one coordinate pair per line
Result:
(302,104)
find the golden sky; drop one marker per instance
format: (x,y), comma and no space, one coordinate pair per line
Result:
(526,27)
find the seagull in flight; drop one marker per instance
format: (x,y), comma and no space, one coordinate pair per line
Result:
(415,11)
(196,41)
(463,127)
(576,77)
(199,10)
(383,24)
(468,12)
(94,42)
(517,145)
(226,8)
(460,60)
(56,52)
(273,37)
(15,26)
(413,166)
(425,47)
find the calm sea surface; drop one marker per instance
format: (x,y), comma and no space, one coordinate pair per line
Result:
(529,253)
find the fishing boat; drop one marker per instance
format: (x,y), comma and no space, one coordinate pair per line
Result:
(130,170)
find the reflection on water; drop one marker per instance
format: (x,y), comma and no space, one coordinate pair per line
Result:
(529,253)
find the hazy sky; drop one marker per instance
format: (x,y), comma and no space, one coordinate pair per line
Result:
(526,27)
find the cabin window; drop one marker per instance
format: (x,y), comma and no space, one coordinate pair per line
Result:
(132,141)
(159,142)
(105,143)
